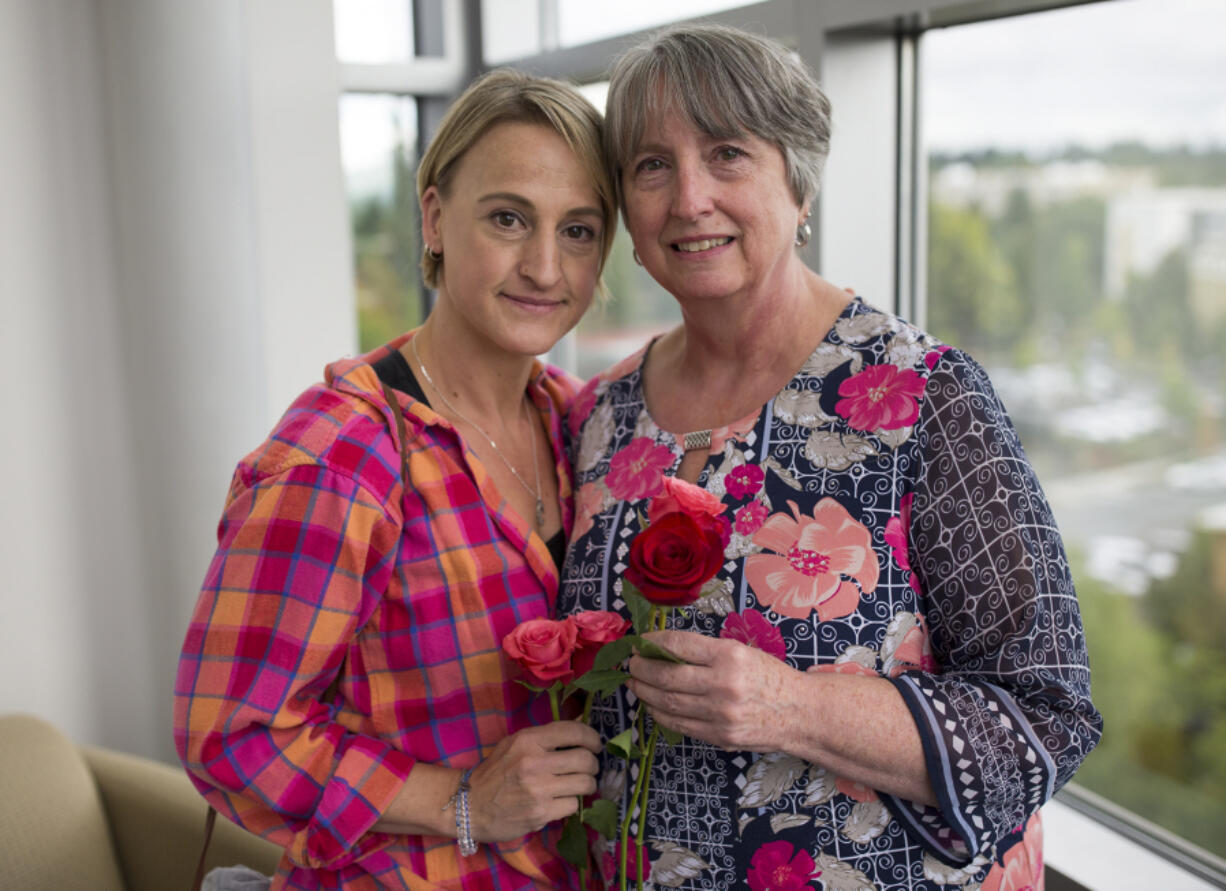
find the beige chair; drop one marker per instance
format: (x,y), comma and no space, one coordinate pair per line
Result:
(74,817)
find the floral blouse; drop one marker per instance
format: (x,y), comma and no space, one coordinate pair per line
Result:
(884,521)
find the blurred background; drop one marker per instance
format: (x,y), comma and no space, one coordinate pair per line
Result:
(202,203)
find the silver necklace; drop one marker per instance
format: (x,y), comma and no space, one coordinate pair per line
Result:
(540,502)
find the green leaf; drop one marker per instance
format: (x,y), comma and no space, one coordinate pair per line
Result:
(653,650)
(639,606)
(623,745)
(602,682)
(601,815)
(612,654)
(672,737)
(573,843)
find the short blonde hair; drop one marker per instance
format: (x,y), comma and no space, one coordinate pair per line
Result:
(508,96)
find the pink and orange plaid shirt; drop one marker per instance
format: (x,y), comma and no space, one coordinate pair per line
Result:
(329,574)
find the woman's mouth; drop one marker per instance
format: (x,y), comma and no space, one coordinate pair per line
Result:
(701,244)
(532,304)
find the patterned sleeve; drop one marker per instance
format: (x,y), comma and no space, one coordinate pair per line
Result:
(1007,718)
(302,561)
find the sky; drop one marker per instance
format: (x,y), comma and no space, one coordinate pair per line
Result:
(1152,70)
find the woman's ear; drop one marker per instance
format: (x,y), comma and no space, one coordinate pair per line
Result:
(431,218)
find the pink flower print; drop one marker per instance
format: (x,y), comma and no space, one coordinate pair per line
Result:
(1021,867)
(589,501)
(817,562)
(854,790)
(744,480)
(584,402)
(932,356)
(848,667)
(914,652)
(881,397)
(752,629)
(637,470)
(896,536)
(778,866)
(749,519)
(737,431)
(624,367)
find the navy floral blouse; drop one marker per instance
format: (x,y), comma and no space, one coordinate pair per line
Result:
(885,521)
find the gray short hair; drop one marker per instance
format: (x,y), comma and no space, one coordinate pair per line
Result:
(727,82)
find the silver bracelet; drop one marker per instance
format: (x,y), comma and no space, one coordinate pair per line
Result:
(463,828)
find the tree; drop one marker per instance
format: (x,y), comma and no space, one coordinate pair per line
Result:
(974,301)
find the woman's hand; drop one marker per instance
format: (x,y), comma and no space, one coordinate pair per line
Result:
(532,778)
(739,698)
(729,694)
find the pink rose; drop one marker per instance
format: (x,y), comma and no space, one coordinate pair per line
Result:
(543,648)
(678,495)
(595,629)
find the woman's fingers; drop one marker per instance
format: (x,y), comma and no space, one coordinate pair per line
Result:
(531,778)
(729,694)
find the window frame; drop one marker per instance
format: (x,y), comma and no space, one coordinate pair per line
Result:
(811,29)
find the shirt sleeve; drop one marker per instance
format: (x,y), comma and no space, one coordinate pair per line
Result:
(304,557)
(1007,717)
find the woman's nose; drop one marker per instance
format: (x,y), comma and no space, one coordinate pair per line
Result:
(692,197)
(541,262)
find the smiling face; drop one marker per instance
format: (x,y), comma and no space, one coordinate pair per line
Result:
(710,217)
(519,226)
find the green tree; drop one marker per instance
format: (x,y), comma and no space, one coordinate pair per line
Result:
(973,301)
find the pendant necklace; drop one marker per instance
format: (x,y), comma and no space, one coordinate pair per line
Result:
(540,502)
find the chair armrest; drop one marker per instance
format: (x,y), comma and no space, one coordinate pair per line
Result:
(157,823)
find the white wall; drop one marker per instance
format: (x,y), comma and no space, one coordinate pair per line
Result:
(169,283)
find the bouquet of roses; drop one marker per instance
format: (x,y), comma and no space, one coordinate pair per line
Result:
(680,548)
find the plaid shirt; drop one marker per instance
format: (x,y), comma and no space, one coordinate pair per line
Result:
(329,575)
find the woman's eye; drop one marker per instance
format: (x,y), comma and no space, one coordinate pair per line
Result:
(649,165)
(504,218)
(579,233)
(728,153)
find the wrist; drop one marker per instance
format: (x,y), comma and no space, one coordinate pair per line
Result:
(461,807)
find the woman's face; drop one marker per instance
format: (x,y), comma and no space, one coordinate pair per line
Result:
(520,231)
(709,217)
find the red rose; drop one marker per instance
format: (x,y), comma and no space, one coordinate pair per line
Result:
(595,629)
(672,558)
(543,648)
(678,495)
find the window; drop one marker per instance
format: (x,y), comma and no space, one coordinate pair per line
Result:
(397,59)
(513,29)
(378,149)
(1077,249)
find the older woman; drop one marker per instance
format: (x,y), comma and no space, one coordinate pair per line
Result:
(888,676)
(342,689)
